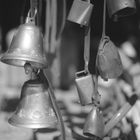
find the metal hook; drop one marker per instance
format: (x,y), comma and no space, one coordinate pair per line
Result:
(31,18)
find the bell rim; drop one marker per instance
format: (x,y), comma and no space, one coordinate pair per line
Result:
(9,59)
(91,133)
(120,15)
(32,125)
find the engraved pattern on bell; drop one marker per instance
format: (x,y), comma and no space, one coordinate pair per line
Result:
(35,109)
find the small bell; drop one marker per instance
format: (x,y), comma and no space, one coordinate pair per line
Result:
(86,88)
(35,109)
(26,47)
(80,12)
(94,125)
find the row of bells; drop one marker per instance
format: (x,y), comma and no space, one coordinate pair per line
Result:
(35,111)
(35,108)
(81,10)
(27,43)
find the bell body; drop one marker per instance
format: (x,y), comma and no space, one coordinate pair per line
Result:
(108,60)
(26,47)
(85,87)
(35,109)
(121,8)
(80,12)
(94,124)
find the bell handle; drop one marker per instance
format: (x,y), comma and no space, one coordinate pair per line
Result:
(120,114)
(31,19)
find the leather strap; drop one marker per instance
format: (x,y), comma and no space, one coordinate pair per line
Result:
(87,48)
(104,19)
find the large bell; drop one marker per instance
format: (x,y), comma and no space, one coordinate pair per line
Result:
(35,109)
(26,47)
(94,125)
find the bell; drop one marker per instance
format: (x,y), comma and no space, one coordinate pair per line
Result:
(94,125)
(26,47)
(35,109)
(121,8)
(109,62)
(85,88)
(80,12)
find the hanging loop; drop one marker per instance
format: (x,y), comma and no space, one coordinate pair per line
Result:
(30,17)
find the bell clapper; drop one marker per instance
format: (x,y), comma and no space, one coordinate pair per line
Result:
(29,70)
(96,100)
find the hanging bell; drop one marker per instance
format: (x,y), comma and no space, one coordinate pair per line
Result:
(94,125)
(121,8)
(80,12)
(108,60)
(35,109)
(85,88)
(26,47)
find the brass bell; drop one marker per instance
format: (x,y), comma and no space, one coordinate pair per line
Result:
(80,12)
(35,109)
(121,8)
(94,124)
(26,47)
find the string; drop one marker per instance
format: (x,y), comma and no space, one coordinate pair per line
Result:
(63,18)
(104,19)
(47,26)
(103,35)
(53,25)
(33,6)
(22,12)
(96,85)
(87,47)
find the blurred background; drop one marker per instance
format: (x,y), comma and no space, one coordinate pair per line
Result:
(125,33)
